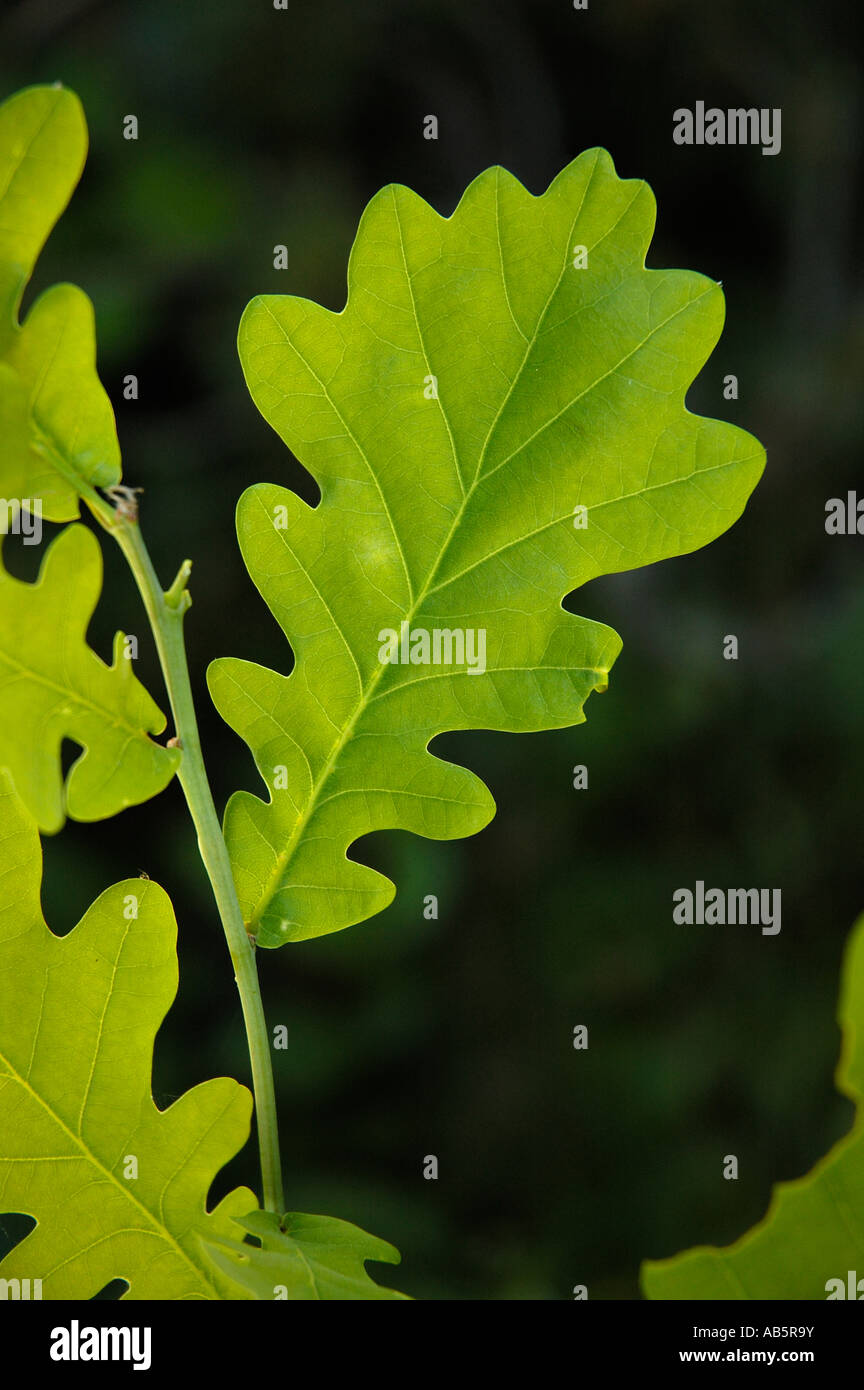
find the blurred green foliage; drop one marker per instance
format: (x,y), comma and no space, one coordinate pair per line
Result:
(409,1037)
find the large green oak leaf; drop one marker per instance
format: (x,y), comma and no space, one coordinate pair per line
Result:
(117,1187)
(496,417)
(810,1245)
(53,687)
(57,432)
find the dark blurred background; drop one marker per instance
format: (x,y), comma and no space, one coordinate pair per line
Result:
(453,1037)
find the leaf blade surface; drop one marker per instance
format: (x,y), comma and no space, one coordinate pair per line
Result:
(53,686)
(56,422)
(310,1258)
(78,1018)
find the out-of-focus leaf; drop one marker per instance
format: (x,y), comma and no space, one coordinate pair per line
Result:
(813,1233)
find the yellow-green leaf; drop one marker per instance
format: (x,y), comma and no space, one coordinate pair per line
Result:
(302,1258)
(53,686)
(496,417)
(57,432)
(118,1188)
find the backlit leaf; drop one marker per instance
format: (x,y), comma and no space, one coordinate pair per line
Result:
(78,1016)
(478,388)
(56,423)
(118,1188)
(305,1258)
(53,686)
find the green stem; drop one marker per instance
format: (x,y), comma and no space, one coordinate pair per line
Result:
(165,611)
